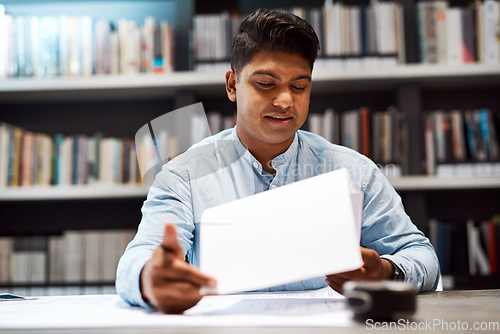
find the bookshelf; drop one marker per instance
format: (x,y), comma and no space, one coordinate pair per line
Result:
(85,192)
(74,105)
(73,192)
(419,182)
(95,217)
(148,86)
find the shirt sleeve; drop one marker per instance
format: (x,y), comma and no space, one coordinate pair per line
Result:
(168,200)
(387,229)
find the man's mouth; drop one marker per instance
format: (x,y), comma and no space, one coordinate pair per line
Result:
(279,120)
(279,116)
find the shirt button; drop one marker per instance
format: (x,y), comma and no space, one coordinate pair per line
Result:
(255,164)
(273,186)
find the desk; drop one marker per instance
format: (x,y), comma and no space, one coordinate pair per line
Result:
(438,312)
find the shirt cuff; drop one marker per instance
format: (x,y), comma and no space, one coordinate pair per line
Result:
(128,282)
(398,273)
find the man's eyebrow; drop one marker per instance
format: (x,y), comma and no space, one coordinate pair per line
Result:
(271,74)
(300,77)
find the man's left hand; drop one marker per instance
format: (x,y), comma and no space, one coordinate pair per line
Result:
(374,268)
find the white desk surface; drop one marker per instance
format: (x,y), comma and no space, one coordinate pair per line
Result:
(249,313)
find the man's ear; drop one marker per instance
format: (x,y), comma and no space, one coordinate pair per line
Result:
(231,85)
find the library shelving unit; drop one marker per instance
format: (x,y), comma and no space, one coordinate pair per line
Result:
(112,106)
(120,104)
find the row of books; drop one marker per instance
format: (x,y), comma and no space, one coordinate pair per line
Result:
(37,159)
(85,256)
(32,46)
(349,30)
(460,136)
(344,31)
(373,35)
(218,121)
(467,247)
(28,158)
(455,35)
(170,136)
(475,169)
(213,35)
(379,135)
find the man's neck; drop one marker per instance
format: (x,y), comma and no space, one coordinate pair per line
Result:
(265,152)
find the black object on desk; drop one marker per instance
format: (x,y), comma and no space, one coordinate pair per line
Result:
(382,300)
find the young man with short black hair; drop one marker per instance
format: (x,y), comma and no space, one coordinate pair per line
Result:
(270,80)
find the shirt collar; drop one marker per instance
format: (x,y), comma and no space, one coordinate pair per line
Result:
(278,161)
(286,156)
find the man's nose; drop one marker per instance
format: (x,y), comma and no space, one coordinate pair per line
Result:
(284,100)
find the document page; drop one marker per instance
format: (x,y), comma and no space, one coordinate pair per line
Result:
(316,308)
(284,303)
(299,231)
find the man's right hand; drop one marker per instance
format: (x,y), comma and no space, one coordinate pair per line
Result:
(167,281)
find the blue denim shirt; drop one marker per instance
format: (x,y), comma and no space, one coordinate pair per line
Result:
(220,169)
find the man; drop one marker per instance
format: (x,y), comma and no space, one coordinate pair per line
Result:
(270,81)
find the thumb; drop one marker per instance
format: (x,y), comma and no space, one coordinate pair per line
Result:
(170,242)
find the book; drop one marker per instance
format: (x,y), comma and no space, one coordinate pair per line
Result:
(4,42)
(492,244)
(75,257)
(490,42)
(102,47)
(430,154)
(167,34)
(364,114)
(315,123)
(6,250)
(56,256)
(387,136)
(427,32)
(328,125)
(478,262)
(350,129)
(71,45)
(468,36)
(454,36)
(458,135)
(440,17)
(5,135)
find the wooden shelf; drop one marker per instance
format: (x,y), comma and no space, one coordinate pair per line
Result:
(109,87)
(404,183)
(72,192)
(410,183)
(159,86)
(425,75)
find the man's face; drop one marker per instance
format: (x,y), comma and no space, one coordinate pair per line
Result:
(272,95)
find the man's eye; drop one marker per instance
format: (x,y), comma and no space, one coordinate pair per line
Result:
(265,84)
(300,88)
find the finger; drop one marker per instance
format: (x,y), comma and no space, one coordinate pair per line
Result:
(170,242)
(183,272)
(335,286)
(350,275)
(336,280)
(177,298)
(370,257)
(164,257)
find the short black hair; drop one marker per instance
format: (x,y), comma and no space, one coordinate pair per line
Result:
(273,30)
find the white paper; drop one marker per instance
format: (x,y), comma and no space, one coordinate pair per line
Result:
(316,308)
(299,231)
